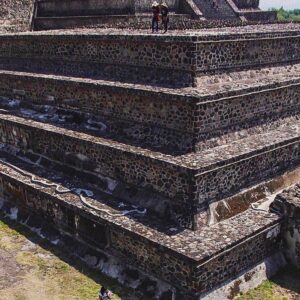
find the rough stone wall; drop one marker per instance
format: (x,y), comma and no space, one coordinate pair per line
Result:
(188,193)
(174,53)
(177,55)
(180,271)
(236,260)
(249,111)
(177,181)
(181,123)
(118,57)
(132,116)
(229,179)
(246,53)
(123,73)
(129,246)
(141,106)
(155,176)
(198,279)
(16,13)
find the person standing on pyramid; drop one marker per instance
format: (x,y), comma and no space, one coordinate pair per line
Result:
(155,17)
(165,16)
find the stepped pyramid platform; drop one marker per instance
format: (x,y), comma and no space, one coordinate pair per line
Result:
(163,151)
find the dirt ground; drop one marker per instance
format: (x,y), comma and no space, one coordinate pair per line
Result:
(32,269)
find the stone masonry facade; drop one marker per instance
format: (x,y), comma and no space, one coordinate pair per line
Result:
(189,190)
(151,257)
(159,150)
(186,55)
(181,123)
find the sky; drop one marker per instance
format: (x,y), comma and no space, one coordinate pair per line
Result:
(287,4)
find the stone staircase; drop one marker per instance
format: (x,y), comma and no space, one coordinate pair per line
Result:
(222,10)
(158,150)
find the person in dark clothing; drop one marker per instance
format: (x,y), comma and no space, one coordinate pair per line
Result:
(165,16)
(155,17)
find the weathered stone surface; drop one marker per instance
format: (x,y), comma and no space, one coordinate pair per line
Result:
(179,56)
(190,181)
(88,124)
(185,258)
(176,120)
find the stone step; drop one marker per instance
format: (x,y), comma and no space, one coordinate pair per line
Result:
(186,184)
(222,108)
(194,262)
(137,56)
